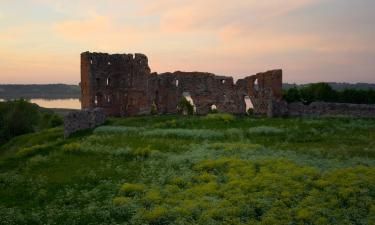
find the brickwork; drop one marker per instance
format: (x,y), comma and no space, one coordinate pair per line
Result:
(123,85)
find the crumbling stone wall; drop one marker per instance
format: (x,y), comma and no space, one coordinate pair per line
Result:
(316,109)
(263,89)
(123,85)
(83,119)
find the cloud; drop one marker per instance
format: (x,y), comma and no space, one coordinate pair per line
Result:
(97,30)
(185,15)
(226,37)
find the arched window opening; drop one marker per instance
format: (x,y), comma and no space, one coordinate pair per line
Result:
(96,100)
(186,105)
(176,83)
(256,85)
(249,104)
(213,109)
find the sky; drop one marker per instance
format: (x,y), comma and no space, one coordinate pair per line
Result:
(311,40)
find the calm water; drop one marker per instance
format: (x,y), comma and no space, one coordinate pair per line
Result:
(72,103)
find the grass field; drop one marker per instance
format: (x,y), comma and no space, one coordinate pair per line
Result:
(217,169)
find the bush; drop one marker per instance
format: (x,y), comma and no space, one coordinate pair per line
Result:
(120,201)
(324,92)
(220,117)
(185,107)
(16,118)
(250,111)
(154,109)
(129,189)
(142,152)
(21,117)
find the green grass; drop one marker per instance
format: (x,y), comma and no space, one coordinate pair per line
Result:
(217,169)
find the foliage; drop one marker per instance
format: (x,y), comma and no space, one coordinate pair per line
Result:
(185,107)
(154,109)
(324,92)
(230,190)
(220,116)
(20,117)
(250,111)
(265,130)
(193,170)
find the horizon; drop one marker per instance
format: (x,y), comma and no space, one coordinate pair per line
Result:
(311,40)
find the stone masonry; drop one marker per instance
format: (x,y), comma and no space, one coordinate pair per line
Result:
(83,119)
(123,85)
(318,109)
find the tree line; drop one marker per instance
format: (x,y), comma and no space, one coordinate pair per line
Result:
(20,117)
(323,92)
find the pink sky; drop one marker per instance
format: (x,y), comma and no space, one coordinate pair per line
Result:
(311,40)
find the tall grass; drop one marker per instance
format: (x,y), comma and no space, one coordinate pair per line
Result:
(193,170)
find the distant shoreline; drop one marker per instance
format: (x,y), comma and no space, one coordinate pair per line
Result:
(69,91)
(39,91)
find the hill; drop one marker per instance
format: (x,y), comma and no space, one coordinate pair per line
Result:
(46,91)
(216,169)
(337,86)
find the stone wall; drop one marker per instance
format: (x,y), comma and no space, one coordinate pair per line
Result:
(81,120)
(316,109)
(123,85)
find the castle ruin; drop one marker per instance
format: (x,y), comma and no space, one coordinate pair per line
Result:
(123,85)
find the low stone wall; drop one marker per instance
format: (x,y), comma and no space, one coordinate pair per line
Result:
(331,109)
(83,119)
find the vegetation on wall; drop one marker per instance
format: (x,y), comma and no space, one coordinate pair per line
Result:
(324,92)
(185,107)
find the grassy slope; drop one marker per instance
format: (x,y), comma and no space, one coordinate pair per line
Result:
(189,170)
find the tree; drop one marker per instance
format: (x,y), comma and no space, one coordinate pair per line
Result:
(17,117)
(292,95)
(318,92)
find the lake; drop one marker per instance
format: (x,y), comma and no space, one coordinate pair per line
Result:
(71,103)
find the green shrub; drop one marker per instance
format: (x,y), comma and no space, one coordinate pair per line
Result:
(250,111)
(184,107)
(120,201)
(157,215)
(129,189)
(71,147)
(16,118)
(142,152)
(154,109)
(220,117)
(33,150)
